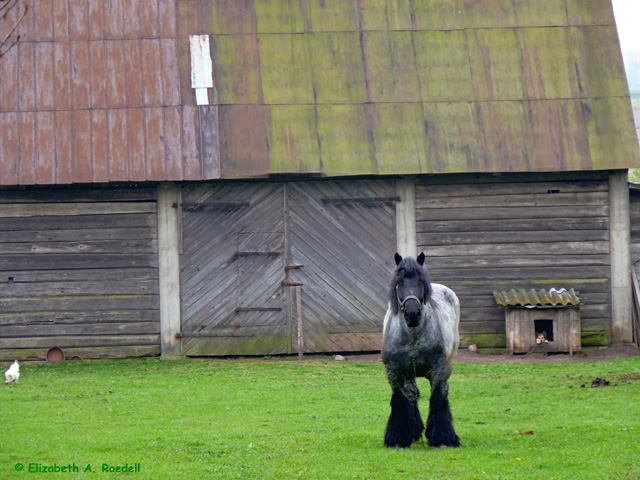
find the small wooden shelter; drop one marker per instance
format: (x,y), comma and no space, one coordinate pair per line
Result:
(541,321)
(171,171)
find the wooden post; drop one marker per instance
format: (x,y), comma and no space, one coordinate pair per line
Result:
(619,237)
(300,327)
(169,270)
(406,241)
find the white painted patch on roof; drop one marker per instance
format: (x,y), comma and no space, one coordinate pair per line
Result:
(201,67)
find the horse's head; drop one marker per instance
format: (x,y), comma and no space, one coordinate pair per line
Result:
(410,289)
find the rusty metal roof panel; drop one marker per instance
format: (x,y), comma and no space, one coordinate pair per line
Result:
(344,142)
(507,137)
(338,70)
(323,16)
(559,135)
(385,14)
(438,14)
(399,137)
(243,140)
(548,67)
(532,298)
(454,139)
(390,67)
(280,16)
(611,143)
(600,74)
(590,12)
(540,13)
(285,69)
(443,65)
(483,14)
(496,64)
(292,137)
(236,69)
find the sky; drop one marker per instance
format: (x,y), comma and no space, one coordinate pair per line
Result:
(627,13)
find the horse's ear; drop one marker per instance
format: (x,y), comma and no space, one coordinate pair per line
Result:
(421,259)
(398,258)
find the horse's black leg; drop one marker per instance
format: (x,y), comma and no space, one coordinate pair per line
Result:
(440,430)
(405,425)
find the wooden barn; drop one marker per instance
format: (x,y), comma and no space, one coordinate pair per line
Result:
(191,177)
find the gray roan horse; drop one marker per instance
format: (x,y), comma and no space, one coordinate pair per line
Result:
(420,339)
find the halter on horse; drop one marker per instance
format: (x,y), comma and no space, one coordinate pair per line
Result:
(420,338)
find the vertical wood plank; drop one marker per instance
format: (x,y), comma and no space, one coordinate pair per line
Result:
(191,143)
(96,19)
(100,142)
(26,76)
(115,65)
(137,153)
(80,75)
(82,147)
(154,144)
(98,75)
(79,20)
(9,88)
(45,76)
(64,147)
(118,150)
(9,151)
(62,68)
(45,166)
(27,136)
(300,322)
(152,82)
(170,72)
(210,142)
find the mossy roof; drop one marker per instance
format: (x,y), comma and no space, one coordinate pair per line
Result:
(423,86)
(102,92)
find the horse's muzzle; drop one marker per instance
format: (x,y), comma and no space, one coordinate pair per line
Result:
(412,312)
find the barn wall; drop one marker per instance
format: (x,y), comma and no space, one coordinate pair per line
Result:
(484,233)
(634,207)
(78,270)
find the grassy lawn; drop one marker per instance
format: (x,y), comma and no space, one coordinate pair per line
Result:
(317,419)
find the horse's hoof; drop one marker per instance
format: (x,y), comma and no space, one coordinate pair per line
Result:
(442,445)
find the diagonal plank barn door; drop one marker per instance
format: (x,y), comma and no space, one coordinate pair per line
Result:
(231,269)
(249,246)
(343,233)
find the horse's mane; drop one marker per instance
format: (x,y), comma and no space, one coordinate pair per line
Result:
(409,268)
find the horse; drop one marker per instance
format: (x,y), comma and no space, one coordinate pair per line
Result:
(420,339)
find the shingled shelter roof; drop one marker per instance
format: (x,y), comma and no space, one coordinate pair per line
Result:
(100,90)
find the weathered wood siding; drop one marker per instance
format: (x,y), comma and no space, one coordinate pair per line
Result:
(78,270)
(343,235)
(231,268)
(485,233)
(246,246)
(634,208)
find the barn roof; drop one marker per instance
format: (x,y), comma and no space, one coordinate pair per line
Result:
(100,90)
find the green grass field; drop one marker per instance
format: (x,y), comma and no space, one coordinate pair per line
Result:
(635,100)
(269,419)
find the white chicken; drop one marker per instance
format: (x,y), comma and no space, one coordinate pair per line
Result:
(13,374)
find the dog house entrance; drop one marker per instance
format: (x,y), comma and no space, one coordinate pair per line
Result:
(544,331)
